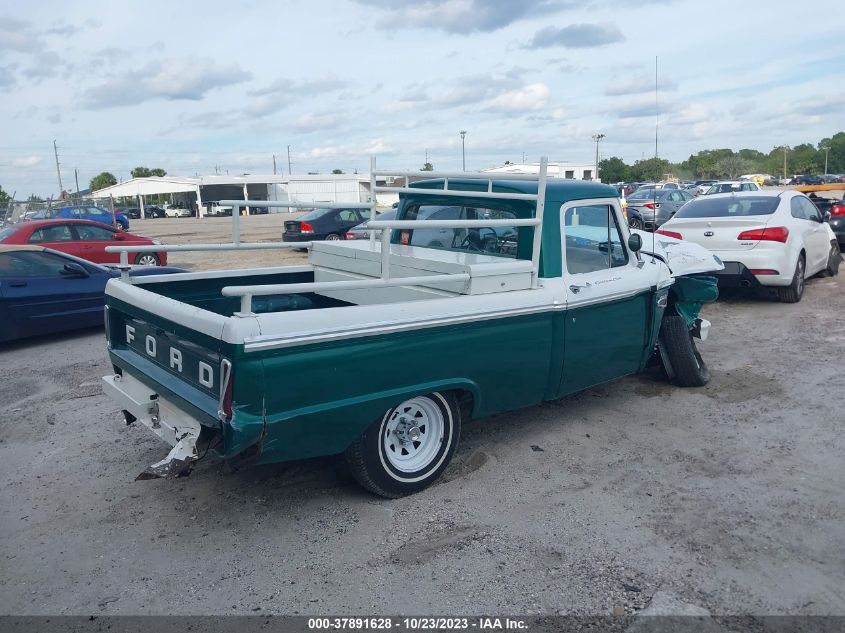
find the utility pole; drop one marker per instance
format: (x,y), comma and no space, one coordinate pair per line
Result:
(598,139)
(826,152)
(76,176)
(785,149)
(290,173)
(58,171)
(274,164)
(463,149)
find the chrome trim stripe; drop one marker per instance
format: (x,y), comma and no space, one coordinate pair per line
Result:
(606,298)
(262,343)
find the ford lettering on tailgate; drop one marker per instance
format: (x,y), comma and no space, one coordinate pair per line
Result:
(178,355)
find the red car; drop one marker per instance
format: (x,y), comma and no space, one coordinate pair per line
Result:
(82,238)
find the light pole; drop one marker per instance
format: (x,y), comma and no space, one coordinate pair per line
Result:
(463,150)
(826,152)
(785,150)
(597,138)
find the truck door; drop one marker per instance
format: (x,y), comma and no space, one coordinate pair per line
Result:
(609,296)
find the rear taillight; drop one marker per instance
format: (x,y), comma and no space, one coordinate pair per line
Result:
(652,205)
(225,410)
(768,234)
(837,210)
(350,236)
(305,227)
(764,271)
(677,236)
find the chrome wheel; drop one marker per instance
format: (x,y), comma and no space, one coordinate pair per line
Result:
(799,272)
(412,435)
(147,259)
(332,237)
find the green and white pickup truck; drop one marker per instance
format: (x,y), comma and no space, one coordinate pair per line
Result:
(483,296)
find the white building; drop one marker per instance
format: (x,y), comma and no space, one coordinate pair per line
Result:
(203,189)
(578,171)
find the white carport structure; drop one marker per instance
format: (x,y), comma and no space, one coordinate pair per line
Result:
(154,185)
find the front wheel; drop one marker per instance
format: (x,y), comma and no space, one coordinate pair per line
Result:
(409,447)
(147,259)
(635,223)
(681,359)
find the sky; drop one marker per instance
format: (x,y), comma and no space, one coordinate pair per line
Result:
(193,87)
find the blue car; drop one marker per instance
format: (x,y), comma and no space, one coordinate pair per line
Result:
(43,291)
(90,212)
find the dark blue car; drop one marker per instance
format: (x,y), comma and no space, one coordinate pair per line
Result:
(90,212)
(44,291)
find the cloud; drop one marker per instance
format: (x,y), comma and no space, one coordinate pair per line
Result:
(640,84)
(282,92)
(461,91)
(45,65)
(530,97)
(463,16)
(183,79)
(26,161)
(318,122)
(576,36)
(65,29)
(18,36)
(307,87)
(7,76)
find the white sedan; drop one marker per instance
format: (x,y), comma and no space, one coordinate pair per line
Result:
(768,238)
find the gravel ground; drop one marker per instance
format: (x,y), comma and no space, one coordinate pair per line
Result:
(727,497)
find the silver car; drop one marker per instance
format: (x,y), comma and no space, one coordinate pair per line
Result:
(650,208)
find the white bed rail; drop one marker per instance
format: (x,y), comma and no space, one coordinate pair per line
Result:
(386,226)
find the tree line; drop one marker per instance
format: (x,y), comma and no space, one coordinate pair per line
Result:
(727,164)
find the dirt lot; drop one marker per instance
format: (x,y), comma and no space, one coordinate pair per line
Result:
(729,497)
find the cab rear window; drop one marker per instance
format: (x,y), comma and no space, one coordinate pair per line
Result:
(729,207)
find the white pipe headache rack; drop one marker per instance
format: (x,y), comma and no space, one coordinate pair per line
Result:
(386,226)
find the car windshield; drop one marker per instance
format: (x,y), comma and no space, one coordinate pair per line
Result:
(729,207)
(649,194)
(316,213)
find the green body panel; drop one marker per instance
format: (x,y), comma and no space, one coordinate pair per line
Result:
(320,398)
(605,341)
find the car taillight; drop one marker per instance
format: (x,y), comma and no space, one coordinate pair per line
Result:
(350,236)
(764,271)
(768,234)
(837,210)
(677,236)
(305,227)
(652,205)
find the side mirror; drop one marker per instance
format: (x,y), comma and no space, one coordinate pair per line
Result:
(72,269)
(635,242)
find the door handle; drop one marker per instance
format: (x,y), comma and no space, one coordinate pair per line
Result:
(576,288)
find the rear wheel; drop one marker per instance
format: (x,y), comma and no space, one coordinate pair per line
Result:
(332,237)
(794,291)
(409,447)
(833,260)
(685,367)
(147,259)
(635,223)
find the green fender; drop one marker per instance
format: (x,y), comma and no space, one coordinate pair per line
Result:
(330,428)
